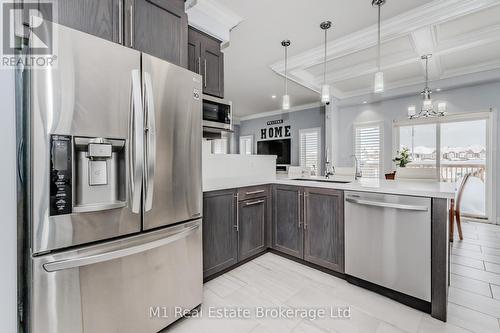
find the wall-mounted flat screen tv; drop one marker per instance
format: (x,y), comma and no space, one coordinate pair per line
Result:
(280,148)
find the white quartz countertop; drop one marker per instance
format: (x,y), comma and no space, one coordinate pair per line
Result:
(400,187)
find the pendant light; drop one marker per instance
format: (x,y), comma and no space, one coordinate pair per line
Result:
(325,88)
(428,109)
(378,86)
(285,103)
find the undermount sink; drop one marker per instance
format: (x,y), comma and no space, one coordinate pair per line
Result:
(323,180)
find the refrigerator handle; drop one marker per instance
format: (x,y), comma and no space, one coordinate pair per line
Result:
(135,151)
(120,22)
(59,265)
(150,145)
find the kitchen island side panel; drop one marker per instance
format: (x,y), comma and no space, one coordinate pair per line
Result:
(440,257)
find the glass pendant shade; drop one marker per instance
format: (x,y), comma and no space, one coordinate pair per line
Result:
(285,103)
(412,111)
(427,105)
(442,108)
(379,83)
(325,93)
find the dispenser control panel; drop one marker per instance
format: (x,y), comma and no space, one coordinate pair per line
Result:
(60,174)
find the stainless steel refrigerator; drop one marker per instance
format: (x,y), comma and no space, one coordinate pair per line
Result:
(115,196)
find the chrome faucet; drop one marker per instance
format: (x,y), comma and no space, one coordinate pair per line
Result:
(358,174)
(329,170)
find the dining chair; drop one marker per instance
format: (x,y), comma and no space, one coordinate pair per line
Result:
(455,208)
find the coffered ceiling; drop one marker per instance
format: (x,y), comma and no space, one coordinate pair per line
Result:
(463,36)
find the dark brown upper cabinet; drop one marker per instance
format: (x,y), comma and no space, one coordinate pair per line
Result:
(206,59)
(156,27)
(100,18)
(159,28)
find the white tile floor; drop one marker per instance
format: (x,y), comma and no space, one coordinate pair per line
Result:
(271,281)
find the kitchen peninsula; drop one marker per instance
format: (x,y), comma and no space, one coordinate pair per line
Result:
(398,230)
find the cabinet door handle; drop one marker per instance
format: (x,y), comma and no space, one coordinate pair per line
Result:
(120,22)
(199,65)
(254,192)
(132,25)
(237,225)
(305,210)
(298,209)
(205,72)
(254,203)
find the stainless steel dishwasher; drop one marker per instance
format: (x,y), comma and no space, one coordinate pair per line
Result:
(388,241)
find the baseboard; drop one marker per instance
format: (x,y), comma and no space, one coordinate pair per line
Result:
(308,264)
(228,269)
(395,295)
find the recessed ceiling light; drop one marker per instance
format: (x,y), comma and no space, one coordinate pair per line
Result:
(364,102)
(438,89)
(273,96)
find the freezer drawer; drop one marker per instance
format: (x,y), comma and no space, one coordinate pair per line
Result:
(131,285)
(388,241)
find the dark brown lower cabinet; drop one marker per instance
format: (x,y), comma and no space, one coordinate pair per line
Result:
(324,228)
(309,224)
(220,237)
(251,224)
(287,220)
(232,230)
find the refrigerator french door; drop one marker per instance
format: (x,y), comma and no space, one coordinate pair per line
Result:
(115,151)
(173,189)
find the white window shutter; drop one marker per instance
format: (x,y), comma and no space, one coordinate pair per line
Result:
(368,149)
(310,148)
(246,145)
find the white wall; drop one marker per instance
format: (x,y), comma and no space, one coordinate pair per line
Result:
(8,237)
(235,168)
(463,100)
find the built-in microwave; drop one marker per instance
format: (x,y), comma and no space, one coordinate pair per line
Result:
(217,113)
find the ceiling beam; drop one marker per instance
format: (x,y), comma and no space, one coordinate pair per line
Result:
(424,43)
(431,13)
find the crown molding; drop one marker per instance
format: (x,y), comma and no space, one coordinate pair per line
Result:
(212,18)
(435,12)
(418,24)
(280,112)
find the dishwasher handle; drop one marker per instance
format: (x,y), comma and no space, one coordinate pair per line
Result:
(387,204)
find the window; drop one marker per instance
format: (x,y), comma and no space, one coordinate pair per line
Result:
(368,148)
(421,141)
(310,148)
(454,145)
(246,145)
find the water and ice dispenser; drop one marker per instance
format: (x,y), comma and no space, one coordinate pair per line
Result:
(87,174)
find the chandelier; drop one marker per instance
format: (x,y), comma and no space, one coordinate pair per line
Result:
(428,109)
